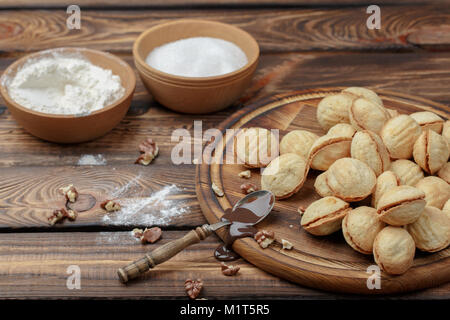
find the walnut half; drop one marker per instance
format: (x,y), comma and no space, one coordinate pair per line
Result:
(248,188)
(70,193)
(229,270)
(193,287)
(264,238)
(110,205)
(151,235)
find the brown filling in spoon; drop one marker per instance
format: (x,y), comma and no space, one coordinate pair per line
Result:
(247,212)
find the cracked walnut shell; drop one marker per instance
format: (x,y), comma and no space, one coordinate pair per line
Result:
(351,179)
(360,227)
(385,181)
(407,171)
(399,135)
(431,151)
(255,147)
(428,120)
(333,109)
(393,250)
(367,115)
(431,232)
(368,147)
(324,216)
(285,175)
(436,190)
(298,141)
(401,205)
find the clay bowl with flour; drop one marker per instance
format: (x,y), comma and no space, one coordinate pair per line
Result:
(195,94)
(72,128)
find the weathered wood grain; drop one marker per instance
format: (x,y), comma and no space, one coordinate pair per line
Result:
(34,265)
(180,4)
(28,195)
(275,30)
(425,75)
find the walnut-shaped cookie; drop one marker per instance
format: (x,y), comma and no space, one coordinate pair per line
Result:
(298,141)
(392,112)
(350,179)
(364,93)
(324,216)
(385,181)
(321,186)
(285,175)
(431,232)
(407,171)
(446,131)
(428,120)
(327,149)
(436,190)
(393,250)
(399,135)
(256,147)
(444,172)
(446,208)
(367,115)
(368,147)
(333,109)
(360,227)
(401,205)
(342,130)
(431,151)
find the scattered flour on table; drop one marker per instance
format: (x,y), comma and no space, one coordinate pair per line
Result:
(154,209)
(92,160)
(64,84)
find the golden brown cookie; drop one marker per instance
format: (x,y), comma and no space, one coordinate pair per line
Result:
(342,130)
(431,232)
(436,190)
(367,115)
(298,141)
(360,227)
(321,186)
(324,216)
(368,147)
(333,109)
(256,147)
(444,172)
(394,250)
(350,179)
(385,181)
(401,205)
(428,120)
(364,93)
(328,149)
(399,135)
(431,151)
(407,171)
(285,175)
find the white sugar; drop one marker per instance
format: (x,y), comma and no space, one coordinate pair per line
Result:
(197,57)
(92,160)
(158,208)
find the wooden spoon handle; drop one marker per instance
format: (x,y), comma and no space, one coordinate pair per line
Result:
(162,253)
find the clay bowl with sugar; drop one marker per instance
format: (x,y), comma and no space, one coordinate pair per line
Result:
(195,94)
(72,128)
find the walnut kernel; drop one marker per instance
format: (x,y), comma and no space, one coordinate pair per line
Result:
(229,270)
(264,238)
(193,287)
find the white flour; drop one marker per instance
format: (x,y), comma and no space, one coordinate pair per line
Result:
(92,160)
(197,57)
(155,209)
(61,84)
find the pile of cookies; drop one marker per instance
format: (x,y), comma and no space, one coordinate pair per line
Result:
(400,161)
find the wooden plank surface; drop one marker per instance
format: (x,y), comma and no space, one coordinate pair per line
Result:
(180,4)
(275,30)
(34,265)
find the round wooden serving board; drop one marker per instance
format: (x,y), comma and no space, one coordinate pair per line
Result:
(326,263)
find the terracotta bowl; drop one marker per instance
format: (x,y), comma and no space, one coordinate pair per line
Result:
(195,94)
(73,128)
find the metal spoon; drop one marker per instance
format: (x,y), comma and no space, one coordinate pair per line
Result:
(168,250)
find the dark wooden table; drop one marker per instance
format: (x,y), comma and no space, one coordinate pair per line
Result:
(304,44)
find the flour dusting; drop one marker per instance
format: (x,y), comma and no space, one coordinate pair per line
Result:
(92,160)
(155,209)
